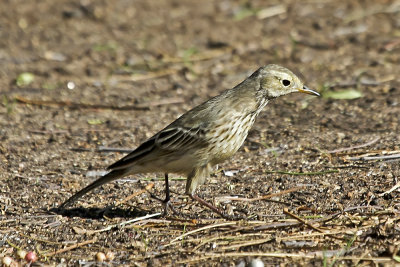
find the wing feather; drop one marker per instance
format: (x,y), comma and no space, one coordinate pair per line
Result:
(182,139)
(168,140)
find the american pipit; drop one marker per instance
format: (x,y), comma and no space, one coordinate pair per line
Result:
(206,135)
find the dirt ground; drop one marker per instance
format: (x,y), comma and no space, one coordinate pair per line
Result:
(317,178)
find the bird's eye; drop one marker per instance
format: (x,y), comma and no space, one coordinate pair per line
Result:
(285,82)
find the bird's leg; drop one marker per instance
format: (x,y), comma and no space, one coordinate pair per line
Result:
(211,207)
(167,195)
(167,201)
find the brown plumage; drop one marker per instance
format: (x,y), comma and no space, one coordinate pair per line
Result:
(206,135)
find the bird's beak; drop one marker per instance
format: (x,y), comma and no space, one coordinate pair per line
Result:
(307,90)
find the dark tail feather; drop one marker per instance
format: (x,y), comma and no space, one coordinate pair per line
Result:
(113,175)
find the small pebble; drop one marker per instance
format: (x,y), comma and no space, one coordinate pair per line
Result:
(30,256)
(71,85)
(109,256)
(256,263)
(21,253)
(7,261)
(100,257)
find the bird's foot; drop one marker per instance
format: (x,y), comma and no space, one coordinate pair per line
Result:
(168,205)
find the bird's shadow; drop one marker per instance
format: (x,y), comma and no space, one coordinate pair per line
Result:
(99,213)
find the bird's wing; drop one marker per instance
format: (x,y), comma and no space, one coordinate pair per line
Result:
(180,138)
(167,141)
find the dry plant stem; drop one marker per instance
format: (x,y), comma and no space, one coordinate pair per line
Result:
(390,190)
(126,222)
(244,254)
(286,211)
(303,173)
(152,75)
(148,187)
(211,54)
(145,106)
(277,255)
(210,206)
(246,244)
(384,157)
(70,104)
(266,196)
(114,149)
(226,236)
(202,229)
(371,152)
(354,147)
(71,247)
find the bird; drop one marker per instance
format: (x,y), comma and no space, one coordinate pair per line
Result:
(204,136)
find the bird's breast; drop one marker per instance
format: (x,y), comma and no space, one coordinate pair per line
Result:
(227,136)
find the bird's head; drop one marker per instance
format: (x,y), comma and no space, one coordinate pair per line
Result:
(276,81)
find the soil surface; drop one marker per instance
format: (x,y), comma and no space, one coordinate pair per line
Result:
(317,178)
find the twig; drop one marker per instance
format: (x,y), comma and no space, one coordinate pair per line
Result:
(246,244)
(102,149)
(278,255)
(286,211)
(271,11)
(349,166)
(126,222)
(48,132)
(70,104)
(354,147)
(263,197)
(390,190)
(148,187)
(383,157)
(164,101)
(210,54)
(245,254)
(374,9)
(275,226)
(156,74)
(218,236)
(114,149)
(325,219)
(202,229)
(303,173)
(71,247)
(73,105)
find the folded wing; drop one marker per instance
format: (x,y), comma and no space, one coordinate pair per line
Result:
(167,141)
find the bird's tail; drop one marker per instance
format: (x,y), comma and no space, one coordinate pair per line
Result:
(112,175)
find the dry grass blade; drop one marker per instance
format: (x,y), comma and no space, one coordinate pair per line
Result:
(390,190)
(202,229)
(147,188)
(127,222)
(146,76)
(382,157)
(354,147)
(71,247)
(245,254)
(312,255)
(108,228)
(294,189)
(286,211)
(246,244)
(74,105)
(233,236)
(210,54)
